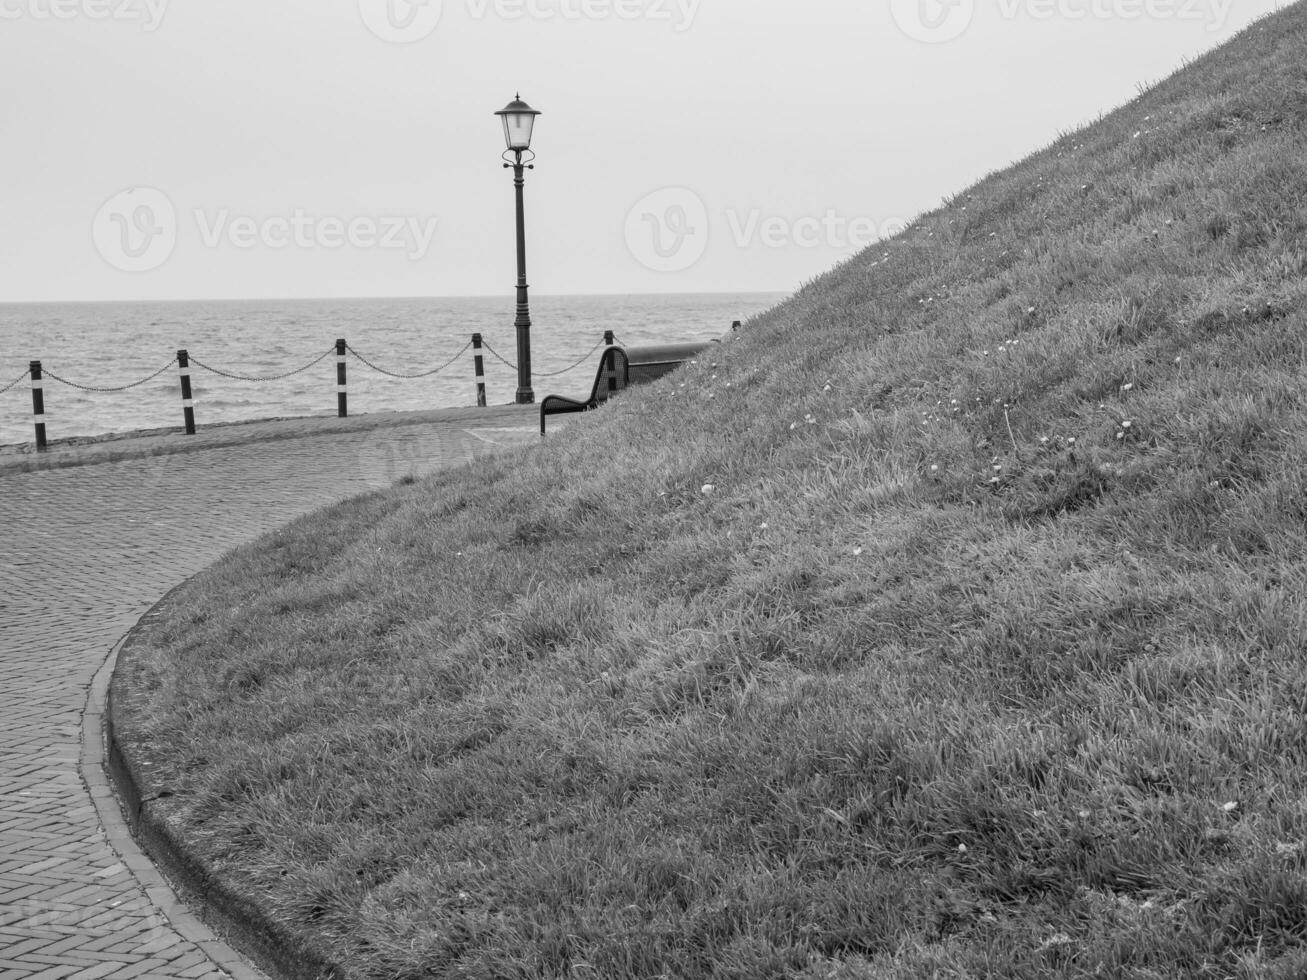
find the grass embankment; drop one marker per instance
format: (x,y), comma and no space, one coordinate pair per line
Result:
(951,624)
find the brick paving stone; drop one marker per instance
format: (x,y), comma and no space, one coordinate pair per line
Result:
(91,536)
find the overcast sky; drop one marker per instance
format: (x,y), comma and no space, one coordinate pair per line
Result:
(286,148)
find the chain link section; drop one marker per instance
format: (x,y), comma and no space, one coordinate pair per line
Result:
(135,384)
(409,377)
(22,377)
(498,357)
(276,377)
(579,361)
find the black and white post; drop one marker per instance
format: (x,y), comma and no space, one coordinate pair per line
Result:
(38,405)
(479,363)
(188,397)
(342,390)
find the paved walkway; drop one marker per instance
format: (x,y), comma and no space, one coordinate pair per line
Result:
(85,550)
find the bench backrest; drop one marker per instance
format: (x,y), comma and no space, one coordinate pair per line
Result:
(650,363)
(614,374)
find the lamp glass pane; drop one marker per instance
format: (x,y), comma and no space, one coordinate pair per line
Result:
(517,129)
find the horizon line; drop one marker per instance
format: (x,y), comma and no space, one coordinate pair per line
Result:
(327,299)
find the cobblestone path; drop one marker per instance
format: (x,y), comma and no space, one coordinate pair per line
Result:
(84,552)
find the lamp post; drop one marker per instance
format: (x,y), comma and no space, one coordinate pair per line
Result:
(519,119)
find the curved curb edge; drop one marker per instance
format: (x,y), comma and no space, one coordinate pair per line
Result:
(202,911)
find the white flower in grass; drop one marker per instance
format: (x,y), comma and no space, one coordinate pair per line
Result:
(857,552)
(1230,807)
(709,489)
(1128,387)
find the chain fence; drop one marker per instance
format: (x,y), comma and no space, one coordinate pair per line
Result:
(276,377)
(22,377)
(575,364)
(370,363)
(127,387)
(409,377)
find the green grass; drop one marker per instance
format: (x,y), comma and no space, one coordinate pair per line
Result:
(983,656)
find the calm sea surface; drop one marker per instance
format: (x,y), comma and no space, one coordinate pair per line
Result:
(105,345)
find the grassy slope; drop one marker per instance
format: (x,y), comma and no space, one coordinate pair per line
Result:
(565,713)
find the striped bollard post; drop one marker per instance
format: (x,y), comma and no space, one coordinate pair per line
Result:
(342,391)
(610,339)
(610,370)
(479,363)
(188,397)
(38,405)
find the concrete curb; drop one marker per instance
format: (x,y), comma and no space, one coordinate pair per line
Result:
(101,777)
(141,836)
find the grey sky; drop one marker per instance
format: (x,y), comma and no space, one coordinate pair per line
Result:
(278,148)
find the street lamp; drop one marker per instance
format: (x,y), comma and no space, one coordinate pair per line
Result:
(519,119)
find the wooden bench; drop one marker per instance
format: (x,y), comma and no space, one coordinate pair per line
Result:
(619,368)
